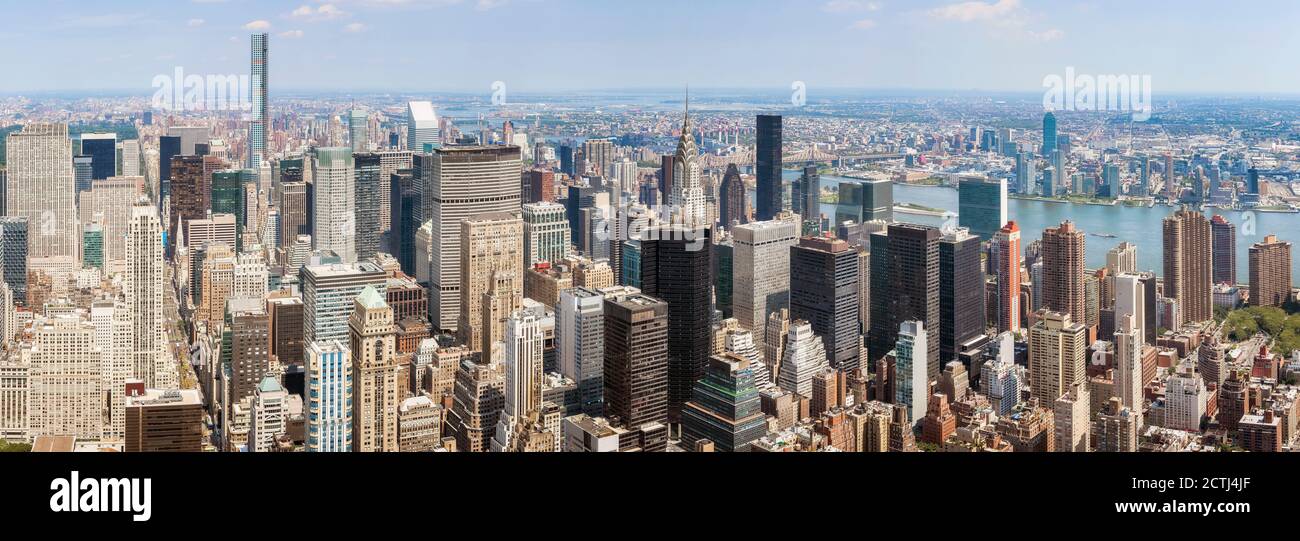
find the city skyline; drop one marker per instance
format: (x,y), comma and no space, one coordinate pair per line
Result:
(836,45)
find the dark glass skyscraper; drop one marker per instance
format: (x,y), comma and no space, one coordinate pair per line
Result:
(767,164)
(1049,134)
(103,153)
(403,202)
(366,171)
(905,287)
(675,267)
(982,206)
(878,201)
(228,198)
(724,407)
(824,292)
(731,201)
(961,293)
(13,255)
(636,360)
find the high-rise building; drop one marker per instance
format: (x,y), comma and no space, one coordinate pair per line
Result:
(767,158)
(523,366)
(1270,272)
(636,359)
(806,199)
(328,292)
(687,195)
(164,421)
(261,116)
(724,407)
(878,200)
(761,271)
(1057,353)
(102,149)
(804,357)
(1006,249)
(676,268)
(269,416)
(912,379)
(998,378)
(538,186)
(144,298)
(477,405)
(295,212)
(1063,276)
(733,205)
(244,347)
(39,186)
(905,263)
(191,190)
(1131,300)
(1049,134)
(580,339)
(65,381)
(1070,419)
(961,294)
(13,255)
(826,295)
(1188,259)
(421,126)
(1225,250)
(491,252)
(368,184)
(358,130)
(1185,401)
(334,226)
(546,233)
(465,181)
(982,206)
(109,203)
(374,374)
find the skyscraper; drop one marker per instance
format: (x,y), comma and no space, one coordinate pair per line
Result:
(767,158)
(961,294)
(374,374)
(295,207)
(13,255)
(523,366)
(878,200)
(491,253)
(358,130)
(328,292)
(244,345)
(144,298)
(687,196)
(466,180)
(982,206)
(803,358)
(40,187)
(368,184)
(1063,277)
(725,407)
(546,233)
(826,295)
(636,359)
(676,268)
(334,211)
(329,397)
(1057,353)
(912,383)
(761,271)
(421,126)
(102,149)
(1187,259)
(580,341)
(732,202)
(904,263)
(1128,365)
(1049,138)
(806,200)
(261,118)
(1007,272)
(1225,250)
(1270,272)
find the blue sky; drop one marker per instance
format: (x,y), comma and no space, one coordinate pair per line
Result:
(547,45)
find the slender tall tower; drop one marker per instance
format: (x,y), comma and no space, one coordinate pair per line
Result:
(374,374)
(1007,244)
(1188,255)
(335,226)
(675,268)
(905,264)
(767,158)
(421,126)
(1049,135)
(687,198)
(1225,250)
(261,116)
(144,297)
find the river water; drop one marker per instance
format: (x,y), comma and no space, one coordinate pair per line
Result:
(1138,225)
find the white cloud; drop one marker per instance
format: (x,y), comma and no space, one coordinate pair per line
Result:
(975,11)
(1046,35)
(864,24)
(354,28)
(322,13)
(259,24)
(291,34)
(845,6)
(195,22)
(484,5)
